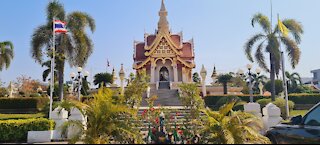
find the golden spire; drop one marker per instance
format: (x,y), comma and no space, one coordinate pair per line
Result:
(163,24)
(214,73)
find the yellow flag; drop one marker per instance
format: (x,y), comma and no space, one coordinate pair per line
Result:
(283,29)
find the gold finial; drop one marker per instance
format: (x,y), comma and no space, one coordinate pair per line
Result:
(163,24)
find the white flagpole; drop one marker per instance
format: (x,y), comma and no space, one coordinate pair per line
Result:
(52,68)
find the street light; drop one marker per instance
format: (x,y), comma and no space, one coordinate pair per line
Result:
(250,79)
(77,80)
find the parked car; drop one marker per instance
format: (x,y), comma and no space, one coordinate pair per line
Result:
(300,130)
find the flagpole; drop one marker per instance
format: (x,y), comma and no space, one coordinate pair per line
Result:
(52,68)
(285,88)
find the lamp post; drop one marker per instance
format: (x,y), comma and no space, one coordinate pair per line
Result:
(250,79)
(122,75)
(78,80)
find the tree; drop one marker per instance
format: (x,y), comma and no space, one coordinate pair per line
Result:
(278,84)
(196,78)
(103,79)
(47,71)
(27,85)
(257,79)
(109,121)
(75,46)
(133,93)
(6,54)
(294,81)
(224,80)
(269,41)
(191,100)
(229,127)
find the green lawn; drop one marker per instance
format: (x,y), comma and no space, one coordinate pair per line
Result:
(298,112)
(20,116)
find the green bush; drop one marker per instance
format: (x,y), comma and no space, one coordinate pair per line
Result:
(23,103)
(20,116)
(3,92)
(17,130)
(305,98)
(213,100)
(225,100)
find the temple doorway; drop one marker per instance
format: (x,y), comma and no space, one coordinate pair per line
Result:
(164,74)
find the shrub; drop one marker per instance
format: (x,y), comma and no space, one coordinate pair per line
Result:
(23,103)
(17,130)
(211,101)
(20,116)
(305,98)
(225,100)
(279,86)
(3,92)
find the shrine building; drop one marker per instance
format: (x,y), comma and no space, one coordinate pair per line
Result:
(165,56)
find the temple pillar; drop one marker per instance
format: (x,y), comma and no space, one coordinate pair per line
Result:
(152,71)
(152,75)
(184,74)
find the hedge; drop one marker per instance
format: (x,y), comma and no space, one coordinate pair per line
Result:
(21,116)
(23,103)
(296,98)
(13,131)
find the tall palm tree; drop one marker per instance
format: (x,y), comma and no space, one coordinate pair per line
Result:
(224,80)
(6,54)
(294,81)
(269,41)
(75,46)
(229,127)
(103,79)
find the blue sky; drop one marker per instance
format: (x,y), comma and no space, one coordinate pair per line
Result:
(219,28)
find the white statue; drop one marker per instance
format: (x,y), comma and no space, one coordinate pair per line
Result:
(11,89)
(261,88)
(148,92)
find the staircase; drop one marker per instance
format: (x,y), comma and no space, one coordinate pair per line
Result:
(166,97)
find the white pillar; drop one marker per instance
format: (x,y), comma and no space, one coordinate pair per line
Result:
(175,73)
(272,116)
(60,116)
(183,75)
(76,115)
(152,75)
(203,74)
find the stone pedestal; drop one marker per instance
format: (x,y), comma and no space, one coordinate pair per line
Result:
(76,115)
(253,108)
(59,117)
(39,136)
(272,116)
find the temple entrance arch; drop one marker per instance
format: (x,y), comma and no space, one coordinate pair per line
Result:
(164,74)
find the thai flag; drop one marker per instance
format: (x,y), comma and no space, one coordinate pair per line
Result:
(60,27)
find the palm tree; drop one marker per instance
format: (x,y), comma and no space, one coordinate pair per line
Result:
(224,80)
(75,46)
(229,127)
(196,78)
(294,81)
(47,71)
(109,121)
(269,41)
(256,80)
(103,79)
(6,54)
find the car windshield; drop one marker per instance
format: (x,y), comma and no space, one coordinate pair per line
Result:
(313,118)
